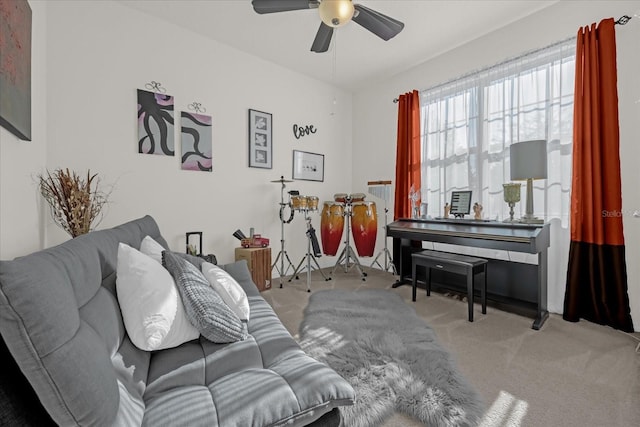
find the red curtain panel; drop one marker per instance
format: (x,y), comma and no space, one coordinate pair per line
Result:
(597,275)
(407,153)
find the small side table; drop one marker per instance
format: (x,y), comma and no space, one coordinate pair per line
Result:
(259,260)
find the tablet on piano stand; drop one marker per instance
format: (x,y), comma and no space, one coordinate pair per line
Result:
(460,204)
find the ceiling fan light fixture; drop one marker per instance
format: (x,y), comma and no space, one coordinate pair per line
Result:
(336,13)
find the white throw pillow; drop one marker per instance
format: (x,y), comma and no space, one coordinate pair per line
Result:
(152,310)
(227,287)
(152,248)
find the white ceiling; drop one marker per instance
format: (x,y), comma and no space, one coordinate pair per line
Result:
(431,28)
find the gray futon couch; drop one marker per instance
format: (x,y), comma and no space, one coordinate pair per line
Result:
(62,326)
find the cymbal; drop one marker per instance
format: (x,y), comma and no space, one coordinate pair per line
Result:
(281,180)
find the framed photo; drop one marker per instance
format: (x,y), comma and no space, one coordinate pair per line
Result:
(15,67)
(260,142)
(308,166)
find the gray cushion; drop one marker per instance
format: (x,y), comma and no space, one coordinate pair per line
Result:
(265,380)
(204,307)
(62,324)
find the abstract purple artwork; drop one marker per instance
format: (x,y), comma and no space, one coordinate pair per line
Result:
(15,67)
(155,123)
(196,142)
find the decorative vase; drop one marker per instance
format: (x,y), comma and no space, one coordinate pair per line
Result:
(511,196)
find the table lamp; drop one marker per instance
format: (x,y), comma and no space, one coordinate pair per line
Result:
(511,196)
(529,162)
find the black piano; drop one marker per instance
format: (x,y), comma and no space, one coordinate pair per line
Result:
(513,286)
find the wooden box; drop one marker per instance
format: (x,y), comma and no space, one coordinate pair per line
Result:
(259,260)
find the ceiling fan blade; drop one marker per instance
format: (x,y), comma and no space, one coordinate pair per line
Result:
(323,38)
(379,24)
(273,6)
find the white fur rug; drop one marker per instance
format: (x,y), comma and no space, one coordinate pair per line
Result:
(391,358)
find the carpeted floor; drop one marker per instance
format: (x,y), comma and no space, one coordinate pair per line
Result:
(566,374)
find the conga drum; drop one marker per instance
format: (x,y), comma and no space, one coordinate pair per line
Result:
(357,197)
(331,226)
(340,197)
(364,227)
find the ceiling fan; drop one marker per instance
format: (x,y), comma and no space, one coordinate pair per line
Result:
(334,14)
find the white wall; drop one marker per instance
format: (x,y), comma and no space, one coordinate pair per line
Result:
(373,105)
(21,230)
(99,53)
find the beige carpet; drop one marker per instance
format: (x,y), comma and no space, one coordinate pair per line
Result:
(566,374)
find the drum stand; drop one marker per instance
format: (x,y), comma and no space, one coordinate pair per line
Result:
(282,255)
(388,259)
(308,257)
(382,189)
(348,251)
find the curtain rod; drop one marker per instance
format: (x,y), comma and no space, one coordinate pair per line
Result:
(624,19)
(514,58)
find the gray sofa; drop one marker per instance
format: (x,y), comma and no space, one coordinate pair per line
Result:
(61,322)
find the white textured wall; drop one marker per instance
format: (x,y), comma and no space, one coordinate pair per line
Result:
(99,53)
(21,230)
(375,114)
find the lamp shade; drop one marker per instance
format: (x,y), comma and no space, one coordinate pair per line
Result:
(336,13)
(529,160)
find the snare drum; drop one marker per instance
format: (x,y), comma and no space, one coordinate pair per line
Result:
(298,203)
(312,203)
(331,226)
(364,227)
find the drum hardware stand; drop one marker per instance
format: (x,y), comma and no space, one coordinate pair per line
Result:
(282,255)
(388,259)
(310,256)
(348,251)
(383,193)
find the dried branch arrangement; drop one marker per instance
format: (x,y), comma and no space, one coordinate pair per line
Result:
(75,202)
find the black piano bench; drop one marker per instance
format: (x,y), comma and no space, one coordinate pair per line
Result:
(452,263)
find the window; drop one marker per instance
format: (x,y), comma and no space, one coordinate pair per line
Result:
(467,128)
(469,124)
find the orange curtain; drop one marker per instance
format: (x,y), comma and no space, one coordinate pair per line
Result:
(597,275)
(407,153)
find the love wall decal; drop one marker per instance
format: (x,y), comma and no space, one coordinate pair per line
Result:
(300,131)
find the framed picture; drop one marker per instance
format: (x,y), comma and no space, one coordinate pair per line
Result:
(15,67)
(308,166)
(260,142)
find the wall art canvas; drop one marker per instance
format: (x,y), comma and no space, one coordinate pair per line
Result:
(15,67)
(155,123)
(260,144)
(196,137)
